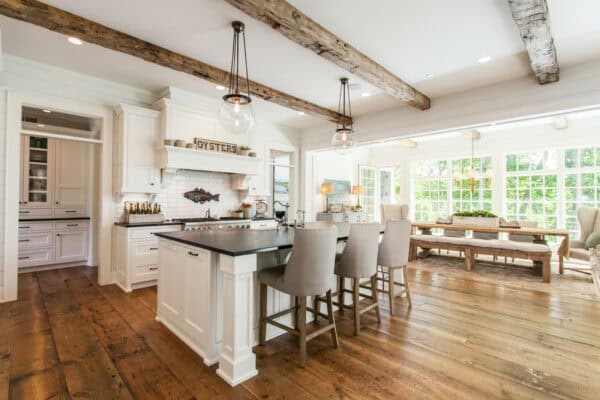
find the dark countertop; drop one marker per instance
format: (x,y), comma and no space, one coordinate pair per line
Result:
(53,219)
(142,224)
(241,242)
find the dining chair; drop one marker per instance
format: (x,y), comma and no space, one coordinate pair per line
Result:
(393,256)
(357,262)
(393,211)
(308,272)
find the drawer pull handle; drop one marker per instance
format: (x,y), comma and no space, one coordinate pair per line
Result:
(153,268)
(24,227)
(153,248)
(72,224)
(23,240)
(70,211)
(24,258)
(58,234)
(23,212)
(193,254)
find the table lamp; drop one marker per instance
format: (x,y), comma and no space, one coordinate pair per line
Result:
(327,189)
(358,191)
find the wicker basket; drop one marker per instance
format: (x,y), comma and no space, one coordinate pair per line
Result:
(143,218)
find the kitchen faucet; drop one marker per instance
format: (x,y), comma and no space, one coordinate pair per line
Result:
(207,213)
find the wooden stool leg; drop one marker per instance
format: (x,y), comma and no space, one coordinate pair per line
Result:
(262,333)
(334,335)
(546,272)
(316,305)
(296,305)
(341,284)
(375,296)
(391,288)
(302,330)
(406,287)
(356,304)
(561,265)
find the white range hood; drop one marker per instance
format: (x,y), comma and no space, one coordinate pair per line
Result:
(173,158)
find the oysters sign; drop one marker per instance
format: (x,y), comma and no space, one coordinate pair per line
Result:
(213,145)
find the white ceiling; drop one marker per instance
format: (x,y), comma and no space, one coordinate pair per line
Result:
(412,39)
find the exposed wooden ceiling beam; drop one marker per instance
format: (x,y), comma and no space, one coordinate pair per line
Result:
(60,21)
(533,21)
(296,26)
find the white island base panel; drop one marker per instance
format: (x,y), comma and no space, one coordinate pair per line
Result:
(210,301)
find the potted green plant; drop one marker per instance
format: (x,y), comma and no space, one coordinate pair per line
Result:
(476,217)
(243,150)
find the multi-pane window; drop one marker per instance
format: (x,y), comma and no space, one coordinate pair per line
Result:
(480,198)
(368,180)
(430,183)
(582,183)
(532,187)
(397,184)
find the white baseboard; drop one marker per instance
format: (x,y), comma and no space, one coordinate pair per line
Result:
(50,267)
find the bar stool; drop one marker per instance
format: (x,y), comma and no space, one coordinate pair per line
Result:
(393,255)
(358,261)
(309,272)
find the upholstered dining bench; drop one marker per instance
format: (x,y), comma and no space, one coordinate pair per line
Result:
(538,253)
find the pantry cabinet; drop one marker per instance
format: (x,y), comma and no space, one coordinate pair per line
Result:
(136,150)
(55,175)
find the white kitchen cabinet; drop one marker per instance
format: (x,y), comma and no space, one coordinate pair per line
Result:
(55,175)
(71,174)
(347,217)
(71,245)
(187,297)
(136,250)
(136,150)
(53,242)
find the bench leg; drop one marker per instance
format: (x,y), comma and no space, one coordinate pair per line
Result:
(561,265)
(546,272)
(468,259)
(412,253)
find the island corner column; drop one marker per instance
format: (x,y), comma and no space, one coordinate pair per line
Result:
(237,361)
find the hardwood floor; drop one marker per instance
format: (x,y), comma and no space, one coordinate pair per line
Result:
(466,337)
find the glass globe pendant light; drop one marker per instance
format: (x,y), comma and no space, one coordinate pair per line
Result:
(344,137)
(236,114)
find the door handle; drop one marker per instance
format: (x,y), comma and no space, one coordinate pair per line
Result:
(153,268)
(153,248)
(70,211)
(193,254)
(72,225)
(23,212)
(24,258)
(23,240)
(24,227)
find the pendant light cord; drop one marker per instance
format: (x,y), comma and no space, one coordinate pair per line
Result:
(246,64)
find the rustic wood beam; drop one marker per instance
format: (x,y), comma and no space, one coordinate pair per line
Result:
(60,21)
(296,26)
(533,20)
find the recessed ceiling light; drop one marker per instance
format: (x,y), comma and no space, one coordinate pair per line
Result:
(46,111)
(300,112)
(428,76)
(484,59)
(75,41)
(220,87)
(365,94)
(41,125)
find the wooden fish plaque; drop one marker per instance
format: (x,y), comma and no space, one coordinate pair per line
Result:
(213,145)
(200,196)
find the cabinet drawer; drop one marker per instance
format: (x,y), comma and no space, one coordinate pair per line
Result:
(145,272)
(148,233)
(30,258)
(36,240)
(144,252)
(71,225)
(35,213)
(25,227)
(70,212)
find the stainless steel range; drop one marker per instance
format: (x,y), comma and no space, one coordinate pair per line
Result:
(212,224)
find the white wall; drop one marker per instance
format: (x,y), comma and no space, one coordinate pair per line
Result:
(32,80)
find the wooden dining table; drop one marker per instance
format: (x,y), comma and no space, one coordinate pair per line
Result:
(539,234)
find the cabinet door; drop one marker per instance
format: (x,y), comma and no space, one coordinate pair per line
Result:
(197,291)
(71,246)
(37,171)
(256,185)
(139,154)
(171,279)
(71,174)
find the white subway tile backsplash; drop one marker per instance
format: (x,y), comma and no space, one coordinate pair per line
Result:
(174,205)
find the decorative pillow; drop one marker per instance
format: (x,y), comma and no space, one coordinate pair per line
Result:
(593,240)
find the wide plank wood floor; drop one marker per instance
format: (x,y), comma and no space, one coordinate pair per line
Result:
(466,337)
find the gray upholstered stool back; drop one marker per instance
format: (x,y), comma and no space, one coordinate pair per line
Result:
(359,259)
(393,249)
(309,271)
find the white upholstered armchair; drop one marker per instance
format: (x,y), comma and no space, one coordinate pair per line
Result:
(589,221)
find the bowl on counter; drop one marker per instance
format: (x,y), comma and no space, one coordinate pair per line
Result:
(168,142)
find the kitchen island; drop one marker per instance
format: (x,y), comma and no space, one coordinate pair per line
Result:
(208,293)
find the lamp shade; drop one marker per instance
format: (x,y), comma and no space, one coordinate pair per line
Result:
(327,188)
(357,189)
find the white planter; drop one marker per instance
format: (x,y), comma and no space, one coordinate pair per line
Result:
(476,221)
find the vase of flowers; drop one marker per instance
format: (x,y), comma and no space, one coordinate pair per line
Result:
(246,209)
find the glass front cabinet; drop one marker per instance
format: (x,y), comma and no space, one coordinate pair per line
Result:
(36,175)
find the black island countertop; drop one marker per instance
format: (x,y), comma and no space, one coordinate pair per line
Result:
(244,241)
